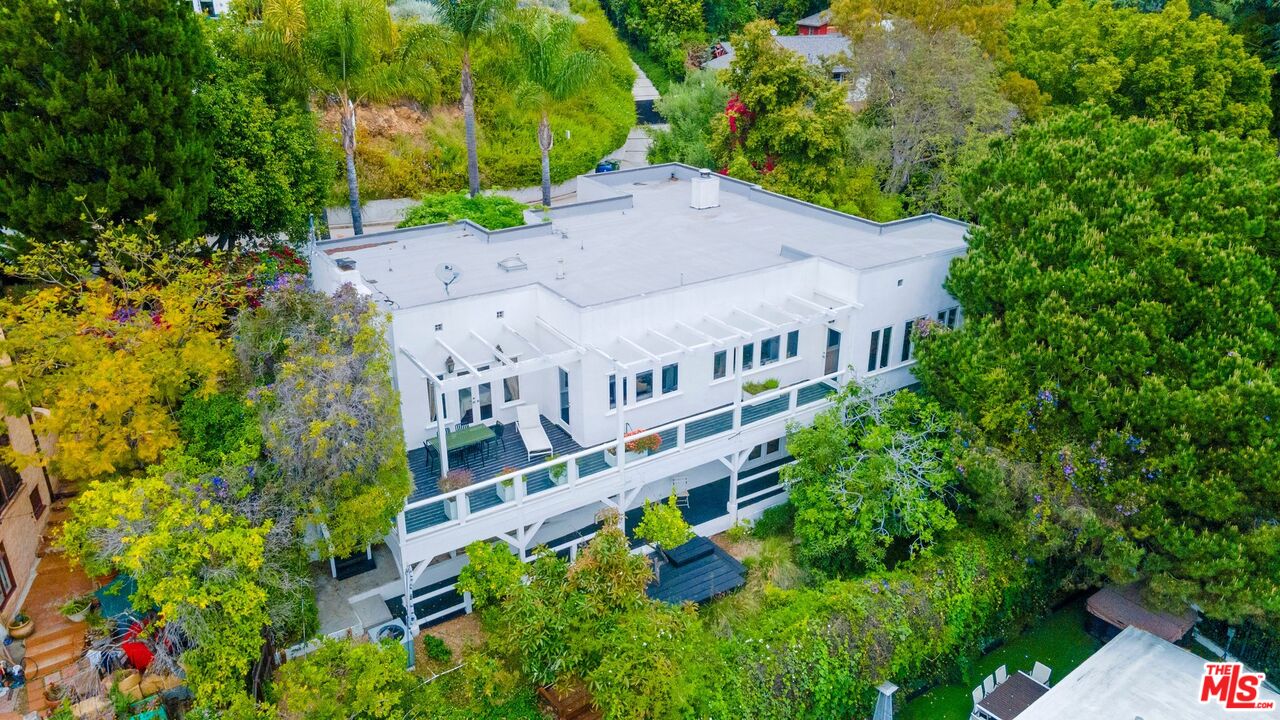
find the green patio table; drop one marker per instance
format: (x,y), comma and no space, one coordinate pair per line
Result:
(463,438)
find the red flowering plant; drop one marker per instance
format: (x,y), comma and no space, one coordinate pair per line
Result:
(646,444)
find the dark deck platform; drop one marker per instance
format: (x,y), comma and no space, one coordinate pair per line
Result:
(696,572)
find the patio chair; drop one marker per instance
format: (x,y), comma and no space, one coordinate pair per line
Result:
(977,696)
(680,485)
(1040,673)
(989,684)
(1002,674)
(529,423)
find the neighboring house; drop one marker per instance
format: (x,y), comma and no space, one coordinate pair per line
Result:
(816,49)
(818,23)
(212,8)
(25,497)
(645,311)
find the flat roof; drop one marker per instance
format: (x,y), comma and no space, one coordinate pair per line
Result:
(1136,675)
(636,235)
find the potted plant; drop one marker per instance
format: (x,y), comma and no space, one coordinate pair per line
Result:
(507,488)
(21,626)
(636,448)
(754,387)
(77,608)
(559,472)
(454,480)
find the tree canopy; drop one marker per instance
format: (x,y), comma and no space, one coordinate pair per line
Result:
(1166,65)
(1120,335)
(871,472)
(689,107)
(100,107)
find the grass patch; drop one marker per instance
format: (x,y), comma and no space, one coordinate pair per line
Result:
(770,562)
(1059,641)
(655,71)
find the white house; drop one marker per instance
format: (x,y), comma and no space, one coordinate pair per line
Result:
(212,8)
(647,309)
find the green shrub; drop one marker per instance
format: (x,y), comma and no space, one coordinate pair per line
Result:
(777,520)
(436,649)
(490,211)
(216,426)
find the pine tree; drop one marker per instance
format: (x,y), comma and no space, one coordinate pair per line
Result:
(99,116)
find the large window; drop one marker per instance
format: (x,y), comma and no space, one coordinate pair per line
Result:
(907,349)
(7,585)
(878,356)
(748,356)
(720,365)
(670,378)
(770,349)
(793,343)
(644,385)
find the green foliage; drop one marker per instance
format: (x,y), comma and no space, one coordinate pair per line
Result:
(776,521)
(1194,73)
(194,559)
(785,127)
(928,94)
(490,211)
(436,649)
(590,622)
(755,387)
(663,524)
(1119,346)
(818,652)
(331,420)
(665,29)
(101,114)
(348,681)
(218,426)
(111,356)
(870,472)
(272,170)
(689,108)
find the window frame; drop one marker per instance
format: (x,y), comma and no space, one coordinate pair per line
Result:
(38,505)
(640,394)
(793,344)
(878,353)
(719,364)
(675,375)
(765,355)
(6,577)
(748,356)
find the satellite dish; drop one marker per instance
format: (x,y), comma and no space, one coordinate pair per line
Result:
(447,274)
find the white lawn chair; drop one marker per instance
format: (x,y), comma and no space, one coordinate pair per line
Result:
(977,696)
(534,436)
(989,684)
(1002,674)
(1040,673)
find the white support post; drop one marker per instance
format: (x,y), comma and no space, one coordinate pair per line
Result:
(737,388)
(442,445)
(410,619)
(733,491)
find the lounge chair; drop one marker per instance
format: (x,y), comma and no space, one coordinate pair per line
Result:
(989,684)
(977,696)
(1002,674)
(1040,673)
(529,423)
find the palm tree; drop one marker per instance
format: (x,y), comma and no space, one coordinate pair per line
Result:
(469,21)
(352,53)
(550,69)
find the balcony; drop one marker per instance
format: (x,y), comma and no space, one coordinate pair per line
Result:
(428,511)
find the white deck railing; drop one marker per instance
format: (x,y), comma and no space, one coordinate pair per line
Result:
(569,465)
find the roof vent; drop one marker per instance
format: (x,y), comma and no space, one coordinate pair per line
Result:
(345,263)
(513,264)
(705,191)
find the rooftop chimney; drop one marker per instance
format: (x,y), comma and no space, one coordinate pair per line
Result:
(706,191)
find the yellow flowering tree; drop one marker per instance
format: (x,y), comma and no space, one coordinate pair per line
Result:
(109,349)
